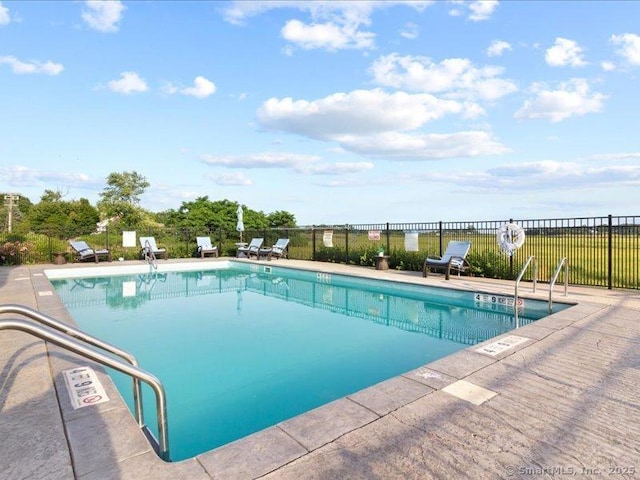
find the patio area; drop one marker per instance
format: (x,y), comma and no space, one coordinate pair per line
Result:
(560,399)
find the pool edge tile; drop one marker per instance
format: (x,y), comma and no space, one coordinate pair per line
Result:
(252,456)
(328,422)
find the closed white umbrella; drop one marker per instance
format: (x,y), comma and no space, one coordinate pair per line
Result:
(240,225)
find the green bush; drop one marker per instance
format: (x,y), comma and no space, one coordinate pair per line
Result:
(489,264)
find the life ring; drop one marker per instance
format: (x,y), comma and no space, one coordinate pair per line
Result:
(510,237)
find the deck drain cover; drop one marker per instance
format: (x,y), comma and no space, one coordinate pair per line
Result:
(469,392)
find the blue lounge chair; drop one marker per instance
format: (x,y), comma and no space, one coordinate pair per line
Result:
(454,258)
(83,252)
(252,249)
(280,249)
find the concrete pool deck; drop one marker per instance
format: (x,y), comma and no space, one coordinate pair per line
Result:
(563,401)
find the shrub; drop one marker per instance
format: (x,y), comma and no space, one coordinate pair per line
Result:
(11,253)
(489,264)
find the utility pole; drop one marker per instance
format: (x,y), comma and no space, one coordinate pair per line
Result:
(9,201)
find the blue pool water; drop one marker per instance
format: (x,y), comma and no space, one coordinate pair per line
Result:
(241,349)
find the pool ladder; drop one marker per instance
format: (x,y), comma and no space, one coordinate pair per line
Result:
(564,262)
(74,340)
(531,261)
(149,255)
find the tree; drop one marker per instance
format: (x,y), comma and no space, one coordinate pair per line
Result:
(280,218)
(62,218)
(121,196)
(204,214)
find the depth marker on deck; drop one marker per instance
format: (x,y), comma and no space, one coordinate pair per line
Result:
(84,387)
(502,345)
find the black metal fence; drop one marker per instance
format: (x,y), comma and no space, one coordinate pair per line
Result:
(601,251)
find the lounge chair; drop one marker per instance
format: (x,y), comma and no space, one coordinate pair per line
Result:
(252,249)
(83,252)
(149,246)
(277,251)
(205,247)
(454,258)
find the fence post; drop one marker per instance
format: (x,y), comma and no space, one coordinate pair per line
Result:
(610,252)
(511,259)
(346,244)
(388,249)
(313,243)
(440,237)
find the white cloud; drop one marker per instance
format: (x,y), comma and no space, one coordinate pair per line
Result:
(565,52)
(608,66)
(5,18)
(497,48)
(169,88)
(399,146)
(202,88)
(237,179)
(409,31)
(482,9)
(371,122)
(338,168)
(629,47)
(610,157)
(21,176)
(259,160)
(570,99)
(130,82)
(329,36)
(361,112)
(546,175)
(333,25)
(452,77)
(103,15)
(303,164)
(20,67)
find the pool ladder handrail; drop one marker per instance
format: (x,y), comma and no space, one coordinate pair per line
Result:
(149,255)
(70,338)
(530,261)
(563,262)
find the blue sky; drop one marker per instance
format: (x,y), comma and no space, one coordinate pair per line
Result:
(338,112)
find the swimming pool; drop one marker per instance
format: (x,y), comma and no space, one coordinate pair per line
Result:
(244,347)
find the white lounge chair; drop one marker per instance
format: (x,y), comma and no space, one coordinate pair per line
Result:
(277,251)
(149,246)
(252,249)
(82,252)
(454,258)
(205,247)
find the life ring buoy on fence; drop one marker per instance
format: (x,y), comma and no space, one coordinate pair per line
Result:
(510,237)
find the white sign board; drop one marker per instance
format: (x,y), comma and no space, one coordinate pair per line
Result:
(411,242)
(129,239)
(84,387)
(327,238)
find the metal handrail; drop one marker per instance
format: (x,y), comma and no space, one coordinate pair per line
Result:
(563,262)
(150,255)
(72,344)
(530,261)
(85,337)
